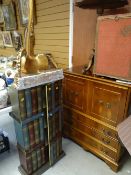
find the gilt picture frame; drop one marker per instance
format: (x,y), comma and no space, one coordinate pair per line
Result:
(1,15)
(1,40)
(7,39)
(9,16)
(23,11)
(23,7)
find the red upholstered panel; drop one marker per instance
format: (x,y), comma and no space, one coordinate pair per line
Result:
(113,47)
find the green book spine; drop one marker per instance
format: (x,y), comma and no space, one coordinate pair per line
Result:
(28,102)
(36,131)
(39,161)
(22,104)
(39,96)
(34,160)
(26,137)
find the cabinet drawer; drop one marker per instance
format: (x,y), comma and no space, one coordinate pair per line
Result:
(71,115)
(75,93)
(107,103)
(93,133)
(82,139)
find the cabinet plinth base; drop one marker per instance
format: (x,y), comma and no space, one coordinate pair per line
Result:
(38,172)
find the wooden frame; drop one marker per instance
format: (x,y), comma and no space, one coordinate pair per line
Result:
(112,49)
(23,11)
(7,39)
(9,16)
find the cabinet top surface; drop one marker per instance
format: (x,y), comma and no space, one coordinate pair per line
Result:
(77,71)
(42,78)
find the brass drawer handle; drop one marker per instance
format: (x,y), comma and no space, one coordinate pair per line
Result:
(57,88)
(107,142)
(108,105)
(108,133)
(104,151)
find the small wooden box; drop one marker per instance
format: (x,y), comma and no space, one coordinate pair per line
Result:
(113,46)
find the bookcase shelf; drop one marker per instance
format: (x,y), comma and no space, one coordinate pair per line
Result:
(37,114)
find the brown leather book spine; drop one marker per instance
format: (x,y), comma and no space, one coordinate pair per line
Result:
(22,104)
(31,134)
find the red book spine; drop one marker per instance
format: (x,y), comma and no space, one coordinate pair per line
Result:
(43,155)
(31,134)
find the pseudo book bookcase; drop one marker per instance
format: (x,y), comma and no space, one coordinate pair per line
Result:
(37,114)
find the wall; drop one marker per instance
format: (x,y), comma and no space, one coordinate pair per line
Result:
(51,31)
(84,32)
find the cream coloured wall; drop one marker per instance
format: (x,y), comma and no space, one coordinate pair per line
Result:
(51,30)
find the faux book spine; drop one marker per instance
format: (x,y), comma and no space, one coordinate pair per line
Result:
(43,155)
(39,161)
(41,127)
(22,104)
(29,165)
(26,137)
(34,100)
(40,99)
(31,134)
(34,160)
(44,96)
(28,102)
(22,135)
(37,131)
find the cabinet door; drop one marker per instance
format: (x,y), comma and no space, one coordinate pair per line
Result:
(107,103)
(75,92)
